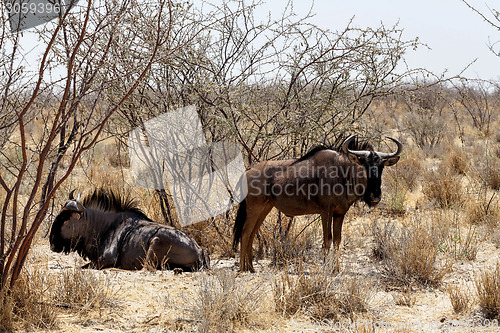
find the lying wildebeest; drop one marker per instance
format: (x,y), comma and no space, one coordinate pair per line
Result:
(111,231)
(324,181)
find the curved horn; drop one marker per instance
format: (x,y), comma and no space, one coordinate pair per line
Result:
(80,206)
(347,151)
(396,153)
(75,205)
(71,194)
(79,198)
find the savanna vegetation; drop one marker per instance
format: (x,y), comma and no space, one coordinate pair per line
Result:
(276,87)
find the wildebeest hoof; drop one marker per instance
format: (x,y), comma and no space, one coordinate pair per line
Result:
(178,271)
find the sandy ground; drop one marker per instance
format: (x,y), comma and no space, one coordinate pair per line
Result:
(160,301)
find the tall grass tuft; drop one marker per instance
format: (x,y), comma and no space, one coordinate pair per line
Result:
(320,293)
(460,299)
(488,291)
(443,187)
(409,255)
(224,302)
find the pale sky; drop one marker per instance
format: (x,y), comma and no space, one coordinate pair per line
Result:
(456,35)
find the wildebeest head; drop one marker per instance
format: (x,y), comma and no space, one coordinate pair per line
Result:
(374,163)
(62,234)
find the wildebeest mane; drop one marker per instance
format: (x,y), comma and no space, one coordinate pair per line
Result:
(103,200)
(337,146)
(109,201)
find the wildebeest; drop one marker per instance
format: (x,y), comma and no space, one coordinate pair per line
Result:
(111,231)
(324,181)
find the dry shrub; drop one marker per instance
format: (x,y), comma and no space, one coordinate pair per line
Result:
(493,176)
(488,291)
(410,254)
(224,303)
(29,303)
(83,290)
(408,170)
(460,299)
(482,210)
(457,161)
(321,293)
(425,126)
(214,235)
(443,187)
(488,170)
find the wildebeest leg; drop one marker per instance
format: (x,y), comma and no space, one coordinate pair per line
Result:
(337,229)
(151,261)
(255,217)
(326,218)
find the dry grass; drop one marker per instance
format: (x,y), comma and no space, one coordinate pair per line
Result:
(84,289)
(487,168)
(408,170)
(409,254)
(320,293)
(443,187)
(296,245)
(29,304)
(405,298)
(493,176)
(457,161)
(396,202)
(482,211)
(36,296)
(460,299)
(461,242)
(488,291)
(224,302)
(496,237)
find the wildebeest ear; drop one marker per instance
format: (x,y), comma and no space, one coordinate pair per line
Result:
(356,159)
(391,160)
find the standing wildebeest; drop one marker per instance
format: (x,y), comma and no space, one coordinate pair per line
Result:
(112,232)
(324,181)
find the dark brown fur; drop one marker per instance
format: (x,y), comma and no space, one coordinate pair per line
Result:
(333,174)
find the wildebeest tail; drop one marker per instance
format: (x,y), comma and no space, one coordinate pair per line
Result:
(241,216)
